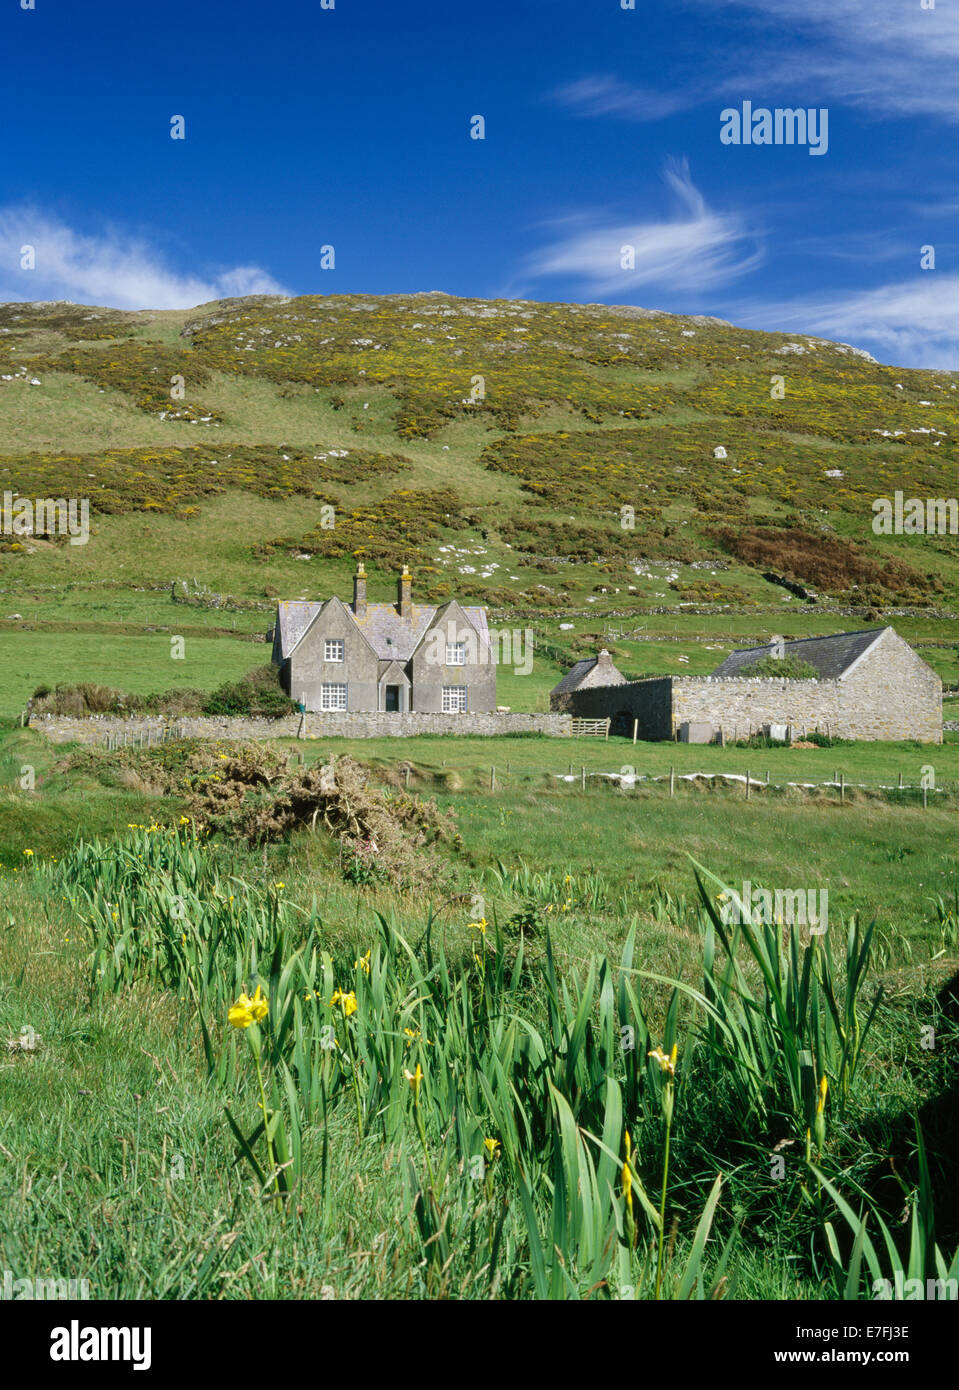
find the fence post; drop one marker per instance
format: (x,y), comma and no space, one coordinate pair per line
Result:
(747,784)
(606,735)
(900,781)
(672,781)
(925,793)
(583,778)
(767,776)
(842,786)
(492,779)
(635,729)
(406,775)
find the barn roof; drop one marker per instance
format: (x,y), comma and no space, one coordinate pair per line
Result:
(831,656)
(577,674)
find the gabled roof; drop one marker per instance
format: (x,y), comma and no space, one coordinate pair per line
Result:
(292,620)
(577,674)
(392,638)
(476,617)
(832,656)
(392,671)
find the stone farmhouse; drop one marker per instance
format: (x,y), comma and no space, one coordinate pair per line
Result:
(384,657)
(869,685)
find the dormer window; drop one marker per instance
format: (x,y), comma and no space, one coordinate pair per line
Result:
(333,649)
(456,653)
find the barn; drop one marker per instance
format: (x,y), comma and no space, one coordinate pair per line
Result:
(868,684)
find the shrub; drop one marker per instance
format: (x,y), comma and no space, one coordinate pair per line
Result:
(791,668)
(824,741)
(257,694)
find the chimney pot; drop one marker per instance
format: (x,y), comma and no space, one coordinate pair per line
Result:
(359,592)
(404,593)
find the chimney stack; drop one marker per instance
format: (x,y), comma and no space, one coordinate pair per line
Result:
(359,591)
(404,593)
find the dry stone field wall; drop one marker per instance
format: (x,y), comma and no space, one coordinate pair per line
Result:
(104,730)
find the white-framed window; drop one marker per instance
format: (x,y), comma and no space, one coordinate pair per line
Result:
(456,653)
(333,649)
(454,699)
(333,696)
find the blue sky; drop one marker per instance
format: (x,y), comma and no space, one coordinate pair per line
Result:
(350,127)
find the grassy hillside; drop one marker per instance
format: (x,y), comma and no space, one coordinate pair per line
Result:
(555,462)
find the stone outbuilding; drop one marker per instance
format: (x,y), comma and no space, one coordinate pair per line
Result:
(585,675)
(868,685)
(401,657)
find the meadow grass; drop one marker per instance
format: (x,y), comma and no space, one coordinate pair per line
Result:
(143,1170)
(137,664)
(142,1167)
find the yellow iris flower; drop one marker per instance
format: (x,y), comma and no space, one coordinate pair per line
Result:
(667,1064)
(627,1175)
(346,1001)
(246,1010)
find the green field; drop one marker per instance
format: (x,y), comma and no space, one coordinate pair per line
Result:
(128,1107)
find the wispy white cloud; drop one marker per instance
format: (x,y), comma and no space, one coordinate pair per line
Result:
(889,56)
(609,96)
(886,56)
(108,268)
(695,251)
(914,323)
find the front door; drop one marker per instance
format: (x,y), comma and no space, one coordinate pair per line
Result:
(392,699)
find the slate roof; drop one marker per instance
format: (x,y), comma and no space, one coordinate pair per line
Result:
(392,638)
(292,620)
(831,656)
(578,673)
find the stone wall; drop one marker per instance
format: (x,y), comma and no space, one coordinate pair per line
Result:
(103,729)
(648,701)
(740,706)
(892,694)
(889,694)
(374,725)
